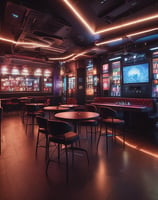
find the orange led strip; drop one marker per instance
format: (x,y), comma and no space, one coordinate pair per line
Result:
(138,21)
(79,16)
(62,58)
(30,44)
(46,46)
(129,35)
(104,30)
(142,32)
(22,43)
(109,41)
(133,146)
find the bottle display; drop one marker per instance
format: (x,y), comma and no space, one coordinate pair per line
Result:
(115,84)
(155,77)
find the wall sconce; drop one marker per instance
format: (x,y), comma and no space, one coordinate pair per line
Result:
(94,71)
(38,72)
(62,72)
(15,71)
(25,72)
(47,73)
(4,70)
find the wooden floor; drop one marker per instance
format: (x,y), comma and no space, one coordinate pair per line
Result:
(122,174)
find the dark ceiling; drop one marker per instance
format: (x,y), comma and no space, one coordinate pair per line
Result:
(56,32)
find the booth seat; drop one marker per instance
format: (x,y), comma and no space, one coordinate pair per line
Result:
(139,120)
(13,103)
(10,104)
(148,102)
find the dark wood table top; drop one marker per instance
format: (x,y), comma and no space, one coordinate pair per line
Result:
(83,115)
(55,108)
(23,98)
(125,106)
(34,104)
(69,105)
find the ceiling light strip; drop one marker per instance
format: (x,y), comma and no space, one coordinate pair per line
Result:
(79,55)
(79,16)
(62,58)
(7,40)
(115,58)
(129,35)
(133,22)
(104,30)
(30,44)
(142,32)
(153,49)
(109,41)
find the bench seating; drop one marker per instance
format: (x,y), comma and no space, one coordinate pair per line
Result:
(140,120)
(13,103)
(148,102)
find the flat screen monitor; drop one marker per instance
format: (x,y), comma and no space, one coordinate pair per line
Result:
(105,68)
(138,73)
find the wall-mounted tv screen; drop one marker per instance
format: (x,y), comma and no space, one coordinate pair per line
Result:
(138,73)
(105,68)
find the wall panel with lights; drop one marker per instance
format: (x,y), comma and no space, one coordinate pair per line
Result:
(155,75)
(25,79)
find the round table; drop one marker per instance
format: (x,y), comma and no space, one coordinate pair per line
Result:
(76,117)
(34,104)
(32,110)
(69,105)
(55,109)
(24,98)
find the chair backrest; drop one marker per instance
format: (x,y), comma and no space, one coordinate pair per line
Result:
(57,127)
(71,100)
(31,108)
(155,107)
(91,108)
(42,122)
(106,112)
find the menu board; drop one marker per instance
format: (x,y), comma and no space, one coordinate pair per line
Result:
(89,79)
(115,85)
(47,84)
(19,83)
(105,77)
(155,77)
(106,82)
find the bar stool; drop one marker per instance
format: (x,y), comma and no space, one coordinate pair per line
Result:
(31,112)
(110,119)
(61,133)
(42,131)
(93,123)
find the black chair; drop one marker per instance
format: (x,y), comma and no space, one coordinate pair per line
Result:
(61,133)
(110,120)
(153,115)
(42,131)
(93,123)
(1,113)
(31,111)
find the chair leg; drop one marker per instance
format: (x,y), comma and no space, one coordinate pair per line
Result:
(67,164)
(59,152)
(124,137)
(99,135)
(72,153)
(107,148)
(27,123)
(48,160)
(46,146)
(91,133)
(37,142)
